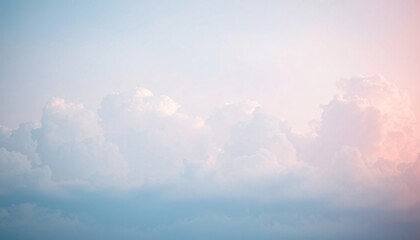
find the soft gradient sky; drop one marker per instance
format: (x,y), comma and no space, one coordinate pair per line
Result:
(284,54)
(210,119)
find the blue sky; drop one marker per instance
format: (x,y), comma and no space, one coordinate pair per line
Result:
(209,119)
(237,50)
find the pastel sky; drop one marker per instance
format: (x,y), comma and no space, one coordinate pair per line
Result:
(210,119)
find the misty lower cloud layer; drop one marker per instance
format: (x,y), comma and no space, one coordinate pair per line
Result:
(138,155)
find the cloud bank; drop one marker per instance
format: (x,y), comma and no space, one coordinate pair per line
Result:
(362,155)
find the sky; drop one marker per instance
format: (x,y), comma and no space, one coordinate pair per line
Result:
(210,119)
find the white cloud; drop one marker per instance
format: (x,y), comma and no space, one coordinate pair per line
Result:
(20,140)
(256,145)
(71,142)
(239,168)
(155,139)
(18,174)
(367,138)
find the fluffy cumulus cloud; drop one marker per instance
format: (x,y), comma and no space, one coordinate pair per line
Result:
(368,135)
(157,141)
(18,173)
(364,152)
(252,151)
(374,117)
(71,143)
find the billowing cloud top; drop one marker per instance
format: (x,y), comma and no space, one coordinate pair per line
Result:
(363,155)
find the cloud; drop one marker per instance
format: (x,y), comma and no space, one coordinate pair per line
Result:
(148,157)
(366,140)
(255,147)
(366,145)
(20,140)
(17,173)
(371,116)
(71,143)
(156,140)
(393,133)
